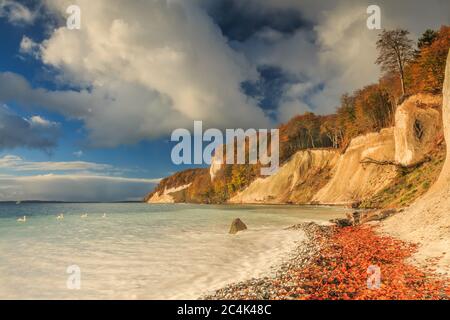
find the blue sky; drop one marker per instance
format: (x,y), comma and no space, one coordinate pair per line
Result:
(72,135)
(100,103)
(144,160)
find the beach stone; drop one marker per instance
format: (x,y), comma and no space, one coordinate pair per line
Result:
(354,217)
(237,225)
(341,223)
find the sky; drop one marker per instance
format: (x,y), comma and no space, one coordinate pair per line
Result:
(86,114)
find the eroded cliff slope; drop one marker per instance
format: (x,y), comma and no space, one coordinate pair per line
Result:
(354,181)
(378,169)
(296,182)
(372,164)
(427,221)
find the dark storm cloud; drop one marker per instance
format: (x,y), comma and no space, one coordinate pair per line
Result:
(34,133)
(239,20)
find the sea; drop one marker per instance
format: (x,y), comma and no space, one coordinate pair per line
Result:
(142,251)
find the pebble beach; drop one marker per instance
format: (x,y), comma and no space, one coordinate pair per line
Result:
(332,264)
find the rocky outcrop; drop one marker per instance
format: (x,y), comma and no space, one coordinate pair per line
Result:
(295,182)
(167,196)
(325,176)
(175,187)
(236,226)
(367,166)
(427,221)
(417,124)
(354,181)
(356,218)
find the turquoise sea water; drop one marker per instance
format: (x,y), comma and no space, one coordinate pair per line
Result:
(141,251)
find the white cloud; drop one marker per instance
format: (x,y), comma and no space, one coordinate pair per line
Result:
(339,54)
(16,163)
(73,188)
(150,66)
(147,67)
(39,121)
(16,13)
(291,108)
(28,46)
(67,181)
(78,154)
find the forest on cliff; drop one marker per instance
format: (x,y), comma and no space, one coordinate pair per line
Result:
(408,68)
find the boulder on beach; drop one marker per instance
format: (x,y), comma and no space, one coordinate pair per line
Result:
(341,222)
(237,225)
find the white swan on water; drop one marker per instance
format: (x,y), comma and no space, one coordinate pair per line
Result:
(60,216)
(84,215)
(24,219)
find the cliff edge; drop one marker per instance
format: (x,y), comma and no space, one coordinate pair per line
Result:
(354,181)
(427,221)
(296,182)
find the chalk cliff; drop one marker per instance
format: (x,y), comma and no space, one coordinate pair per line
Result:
(417,123)
(174,188)
(353,181)
(368,166)
(427,221)
(295,182)
(167,196)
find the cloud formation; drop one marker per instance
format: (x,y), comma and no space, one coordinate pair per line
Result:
(16,13)
(148,67)
(67,181)
(337,54)
(28,46)
(34,132)
(75,188)
(144,68)
(16,163)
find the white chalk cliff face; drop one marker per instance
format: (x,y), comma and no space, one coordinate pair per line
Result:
(217,162)
(327,177)
(428,220)
(416,127)
(354,181)
(294,182)
(167,195)
(417,124)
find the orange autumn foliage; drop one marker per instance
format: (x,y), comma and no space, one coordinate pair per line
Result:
(426,74)
(340,271)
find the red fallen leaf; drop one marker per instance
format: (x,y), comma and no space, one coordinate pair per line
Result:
(340,271)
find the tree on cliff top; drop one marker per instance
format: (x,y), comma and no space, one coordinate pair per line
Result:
(427,38)
(426,73)
(395,51)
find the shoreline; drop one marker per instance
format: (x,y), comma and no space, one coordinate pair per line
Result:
(332,264)
(261,288)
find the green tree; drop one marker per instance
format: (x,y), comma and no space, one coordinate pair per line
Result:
(427,38)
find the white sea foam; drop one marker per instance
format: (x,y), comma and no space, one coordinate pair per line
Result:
(141,251)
